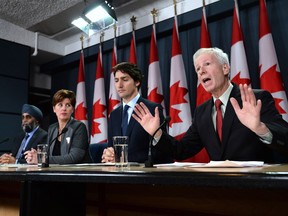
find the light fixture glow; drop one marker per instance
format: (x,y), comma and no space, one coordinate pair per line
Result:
(95,18)
(97,14)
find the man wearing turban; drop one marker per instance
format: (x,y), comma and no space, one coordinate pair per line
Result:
(31,136)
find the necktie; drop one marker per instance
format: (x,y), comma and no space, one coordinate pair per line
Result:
(22,147)
(219,117)
(125,119)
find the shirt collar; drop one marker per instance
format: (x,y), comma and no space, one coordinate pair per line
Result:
(133,102)
(225,96)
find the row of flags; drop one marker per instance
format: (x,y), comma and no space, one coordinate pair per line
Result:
(179,107)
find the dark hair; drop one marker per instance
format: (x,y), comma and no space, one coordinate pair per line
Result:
(60,95)
(131,69)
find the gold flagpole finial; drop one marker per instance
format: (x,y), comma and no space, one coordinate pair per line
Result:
(154,13)
(82,40)
(175,7)
(133,21)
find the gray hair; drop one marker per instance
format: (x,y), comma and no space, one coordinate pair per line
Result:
(218,53)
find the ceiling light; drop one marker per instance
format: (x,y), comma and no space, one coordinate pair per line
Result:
(96,17)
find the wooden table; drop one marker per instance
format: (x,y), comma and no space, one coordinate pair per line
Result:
(106,190)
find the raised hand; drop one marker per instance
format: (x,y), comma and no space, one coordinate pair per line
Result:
(149,122)
(249,114)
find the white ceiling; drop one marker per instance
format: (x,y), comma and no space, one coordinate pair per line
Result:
(51,19)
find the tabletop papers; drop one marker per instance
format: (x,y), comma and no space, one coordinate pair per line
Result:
(226,163)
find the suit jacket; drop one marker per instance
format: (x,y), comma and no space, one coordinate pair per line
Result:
(40,136)
(238,142)
(138,144)
(74,143)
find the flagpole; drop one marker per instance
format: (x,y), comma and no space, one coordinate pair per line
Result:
(175,7)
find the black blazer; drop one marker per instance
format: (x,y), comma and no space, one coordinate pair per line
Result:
(138,138)
(40,136)
(238,142)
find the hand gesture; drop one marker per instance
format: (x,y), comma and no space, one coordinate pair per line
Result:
(249,115)
(149,122)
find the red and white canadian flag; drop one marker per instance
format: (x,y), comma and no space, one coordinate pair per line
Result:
(155,90)
(239,66)
(114,98)
(270,76)
(81,105)
(99,116)
(132,54)
(179,108)
(202,95)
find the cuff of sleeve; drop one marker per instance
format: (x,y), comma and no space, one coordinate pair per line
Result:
(266,138)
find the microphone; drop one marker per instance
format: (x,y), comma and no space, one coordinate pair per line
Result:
(4,140)
(149,162)
(49,144)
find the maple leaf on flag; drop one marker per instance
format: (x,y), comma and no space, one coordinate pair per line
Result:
(268,76)
(154,96)
(177,97)
(98,109)
(176,118)
(112,103)
(237,79)
(178,94)
(81,110)
(95,128)
(98,113)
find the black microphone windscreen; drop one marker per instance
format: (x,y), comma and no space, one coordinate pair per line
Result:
(64,130)
(168,119)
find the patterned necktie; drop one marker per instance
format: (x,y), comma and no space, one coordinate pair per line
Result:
(125,119)
(22,147)
(219,117)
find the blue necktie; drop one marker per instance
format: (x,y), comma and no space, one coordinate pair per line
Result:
(22,147)
(125,119)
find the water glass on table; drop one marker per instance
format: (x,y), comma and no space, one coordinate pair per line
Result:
(120,145)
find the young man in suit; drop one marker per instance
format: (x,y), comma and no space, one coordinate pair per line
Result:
(251,125)
(31,136)
(128,80)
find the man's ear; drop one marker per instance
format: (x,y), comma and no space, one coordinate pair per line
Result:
(226,69)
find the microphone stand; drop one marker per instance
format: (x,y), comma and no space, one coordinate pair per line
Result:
(149,162)
(49,144)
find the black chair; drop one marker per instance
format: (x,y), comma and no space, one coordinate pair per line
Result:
(96,151)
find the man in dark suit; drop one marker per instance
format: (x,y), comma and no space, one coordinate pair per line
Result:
(127,82)
(31,136)
(251,125)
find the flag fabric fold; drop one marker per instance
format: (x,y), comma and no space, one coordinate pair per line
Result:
(81,104)
(114,98)
(202,95)
(155,90)
(270,76)
(239,67)
(99,116)
(179,108)
(132,54)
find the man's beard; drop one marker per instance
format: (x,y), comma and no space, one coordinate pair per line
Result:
(28,127)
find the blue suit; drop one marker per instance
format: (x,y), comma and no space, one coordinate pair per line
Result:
(40,136)
(138,138)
